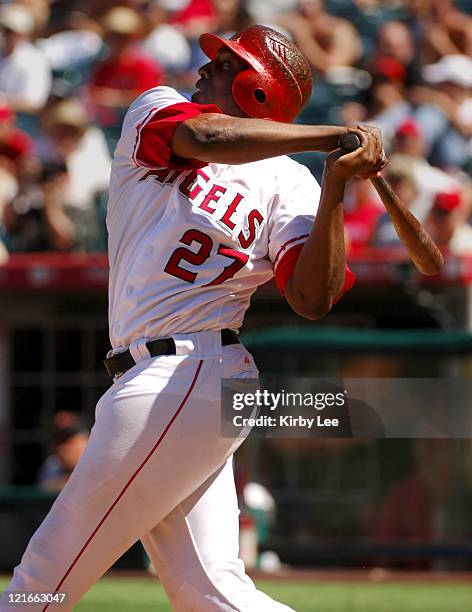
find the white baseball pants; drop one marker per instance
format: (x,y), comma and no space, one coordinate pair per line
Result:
(155,469)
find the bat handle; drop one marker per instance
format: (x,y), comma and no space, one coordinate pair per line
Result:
(348,143)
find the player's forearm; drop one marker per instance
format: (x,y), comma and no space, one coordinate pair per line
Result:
(232,140)
(319,274)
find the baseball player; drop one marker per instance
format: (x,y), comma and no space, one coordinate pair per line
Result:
(204,207)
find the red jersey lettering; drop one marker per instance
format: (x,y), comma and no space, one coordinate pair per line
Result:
(253,217)
(213,195)
(159,175)
(226,218)
(189,180)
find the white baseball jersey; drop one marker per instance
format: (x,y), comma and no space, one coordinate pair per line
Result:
(189,241)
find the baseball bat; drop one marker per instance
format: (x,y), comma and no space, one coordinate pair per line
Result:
(421,248)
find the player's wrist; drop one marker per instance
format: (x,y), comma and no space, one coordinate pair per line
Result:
(323,138)
(331,174)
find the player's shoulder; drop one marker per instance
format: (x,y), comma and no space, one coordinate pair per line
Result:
(291,173)
(161,95)
(291,165)
(153,99)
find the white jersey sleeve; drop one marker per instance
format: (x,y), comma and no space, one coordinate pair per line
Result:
(291,220)
(149,126)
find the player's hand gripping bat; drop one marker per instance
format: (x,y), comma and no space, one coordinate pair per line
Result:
(420,246)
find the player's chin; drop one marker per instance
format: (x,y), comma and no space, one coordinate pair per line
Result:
(199,97)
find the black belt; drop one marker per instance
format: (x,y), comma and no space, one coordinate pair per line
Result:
(119,363)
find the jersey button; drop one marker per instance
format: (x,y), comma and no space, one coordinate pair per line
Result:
(117,327)
(173,212)
(129,289)
(149,249)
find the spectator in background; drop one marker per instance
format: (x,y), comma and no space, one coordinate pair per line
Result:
(15,145)
(416,19)
(35,219)
(126,72)
(15,155)
(387,104)
(362,211)
(446,31)
(409,143)
(445,110)
(54,208)
(70,140)
(40,10)
(25,78)
(78,44)
(95,9)
(447,223)
(165,43)
(368,16)
(394,41)
(192,17)
(231,16)
(325,40)
(267,12)
(69,439)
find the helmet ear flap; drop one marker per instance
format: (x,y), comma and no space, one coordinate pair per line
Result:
(261,96)
(251,94)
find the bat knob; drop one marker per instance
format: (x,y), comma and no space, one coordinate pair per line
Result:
(349,143)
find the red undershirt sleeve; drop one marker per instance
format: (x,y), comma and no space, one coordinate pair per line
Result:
(286,267)
(154,136)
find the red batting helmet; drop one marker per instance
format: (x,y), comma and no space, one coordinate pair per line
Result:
(277,82)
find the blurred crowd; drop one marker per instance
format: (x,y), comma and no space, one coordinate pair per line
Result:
(70,68)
